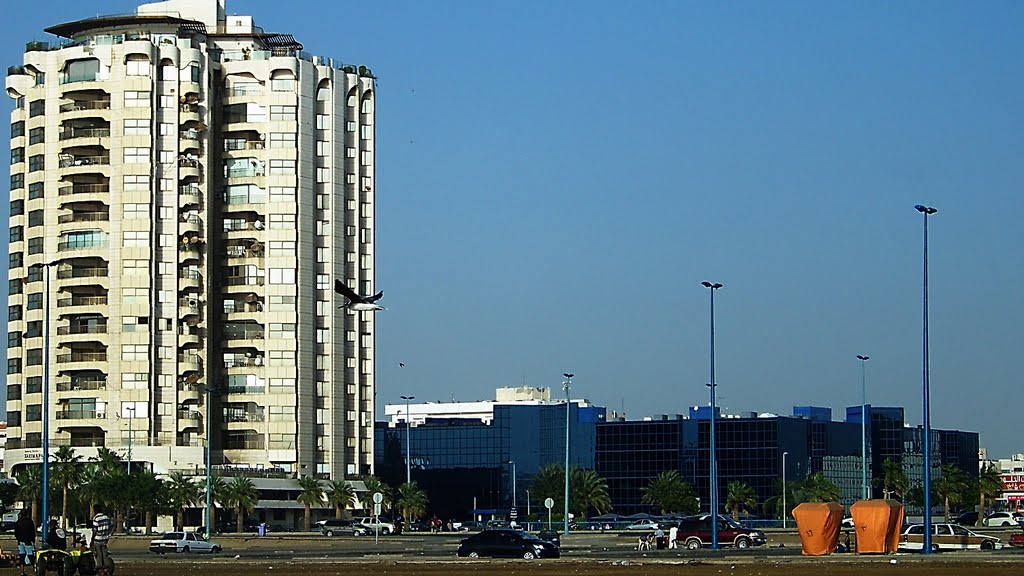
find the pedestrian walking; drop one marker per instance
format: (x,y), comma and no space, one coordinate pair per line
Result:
(25,534)
(672,533)
(102,526)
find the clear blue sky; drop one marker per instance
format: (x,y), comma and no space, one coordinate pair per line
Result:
(556,178)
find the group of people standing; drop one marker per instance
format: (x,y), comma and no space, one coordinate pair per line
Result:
(56,538)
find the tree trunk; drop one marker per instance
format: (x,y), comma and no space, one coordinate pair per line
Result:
(945,508)
(181,519)
(239,520)
(64,509)
(337,511)
(118,522)
(149,523)
(35,512)
(307,517)
(981,510)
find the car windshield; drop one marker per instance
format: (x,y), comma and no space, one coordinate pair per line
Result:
(173,536)
(527,535)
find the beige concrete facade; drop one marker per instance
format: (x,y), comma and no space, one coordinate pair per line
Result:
(185,189)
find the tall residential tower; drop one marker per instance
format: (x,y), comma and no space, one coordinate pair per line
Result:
(185,187)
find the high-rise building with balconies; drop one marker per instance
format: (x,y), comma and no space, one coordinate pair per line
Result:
(185,187)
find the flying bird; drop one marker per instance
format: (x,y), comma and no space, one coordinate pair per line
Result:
(357,302)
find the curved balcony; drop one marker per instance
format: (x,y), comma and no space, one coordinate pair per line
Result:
(191,223)
(72,136)
(84,192)
(243,334)
(190,363)
(83,106)
(93,381)
(245,253)
(189,419)
(241,286)
(251,440)
(83,83)
(190,279)
(82,329)
(88,359)
(188,307)
(190,335)
(190,391)
(189,168)
(84,216)
(190,249)
(190,196)
(81,301)
(86,417)
(70,164)
(188,139)
(244,307)
(85,275)
(189,112)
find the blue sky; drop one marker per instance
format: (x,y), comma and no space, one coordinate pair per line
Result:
(556,178)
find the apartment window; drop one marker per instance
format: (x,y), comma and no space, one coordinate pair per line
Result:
(136,155)
(36,108)
(282,194)
(366,157)
(194,72)
(282,275)
(168,72)
(282,140)
(323,122)
(35,190)
(13,418)
(350,126)
(367,107)
(323,175)
(36,163)
(281,330)
(136,183)
(35,218)
(17,234)
(166,129)
(281,358)
(282,221)
(134,409)
(136,211)
(365,210)
(33,412)
(323,254)
(282,167)
(17,207)
(282,84)
(35,245)
(137,67)
(138,239)
(166,157)
(14,365)
(17,155)
(14,312)
(35,274)
(134,323)
(137,99)
(17,181)
(36,136)
(15,260)
(366,132)
(282,113)
(168,101)
(323,148)
(323,202)
(282,303)
(281,248)
(134,295)
(323,228)
(17,128)
(323,336)
(14,339)
(136,126)
(134,352)
(135,267)
(134,380)
(34,301)
(34,357)
(350,152)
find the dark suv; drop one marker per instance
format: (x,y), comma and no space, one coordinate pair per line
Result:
(695,533)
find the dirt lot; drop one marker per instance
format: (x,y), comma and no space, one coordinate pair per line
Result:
(799,567)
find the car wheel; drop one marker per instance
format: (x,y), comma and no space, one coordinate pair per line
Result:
(330,533)
(474,554)
(216,549)
(1005,523)
(185,550)
(988,545)
(935,548)
(385,531)
(693,544)
(529,555)
(743,542)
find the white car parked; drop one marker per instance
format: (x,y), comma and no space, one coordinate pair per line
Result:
(1003,519)
(184,542)
(643,525)
(948,537)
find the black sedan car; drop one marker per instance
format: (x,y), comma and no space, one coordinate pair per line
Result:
(507,543)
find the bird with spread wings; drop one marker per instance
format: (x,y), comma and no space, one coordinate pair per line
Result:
(357,302)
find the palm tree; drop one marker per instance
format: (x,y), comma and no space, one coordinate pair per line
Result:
(218,490)
(588,491)
(412,501)
(893,480)
(817,488)
(66,473)
(949,486)
(241,494)
(341,495)
(149,495)
(374,485)
(549,482)
(184,493)
(740,496)
(774,503)
(990,485)
(30,483)
(311,493)
(669,493)
(90,490)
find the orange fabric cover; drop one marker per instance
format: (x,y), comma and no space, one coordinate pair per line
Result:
(877,523)
(818,523)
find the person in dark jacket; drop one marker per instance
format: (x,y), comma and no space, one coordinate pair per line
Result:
(25,534)
(56,537)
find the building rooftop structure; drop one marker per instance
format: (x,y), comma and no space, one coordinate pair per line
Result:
(482,410)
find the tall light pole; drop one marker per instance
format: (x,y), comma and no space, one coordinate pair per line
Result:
(714,466)
(408,441)
(784,454)
(46,400)
(130,409)
(513,463)
(863,426)
(566,386)
(926,211)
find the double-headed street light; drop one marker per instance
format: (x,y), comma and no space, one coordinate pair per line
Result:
(926,211)
(863,427)
(714,467)
(408,441)
(566,386)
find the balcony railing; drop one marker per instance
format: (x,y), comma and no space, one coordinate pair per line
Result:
(83,189)
(244,145)
(247,389)
(243,281)
(84,217)
(68,134)
(82,301)
(190,359)
(243,417)
(244,334)
(81,384)
(85,105)
(80,415)
(239,361)
(82,357)
(81,245)
(242,172)
(189,190)
(254,444)
(189,274)
(82,329)
(71,161)
(81,272)
(189,414)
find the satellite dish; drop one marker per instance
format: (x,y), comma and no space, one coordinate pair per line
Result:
(263,136)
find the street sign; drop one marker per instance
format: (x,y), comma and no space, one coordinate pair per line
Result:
(376,508)
(549,503)
(513,514)
(378,497)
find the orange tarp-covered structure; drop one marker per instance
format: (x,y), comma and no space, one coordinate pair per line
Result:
(878,524)
(818,523)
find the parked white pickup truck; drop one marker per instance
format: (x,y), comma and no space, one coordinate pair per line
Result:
(377,525)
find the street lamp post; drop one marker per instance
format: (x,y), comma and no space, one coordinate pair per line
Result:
(46,400)
(131,417)
(714,466)
(784,454)
(926,211)
(566,386)
(513,463)
(863,426)
(408,441)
